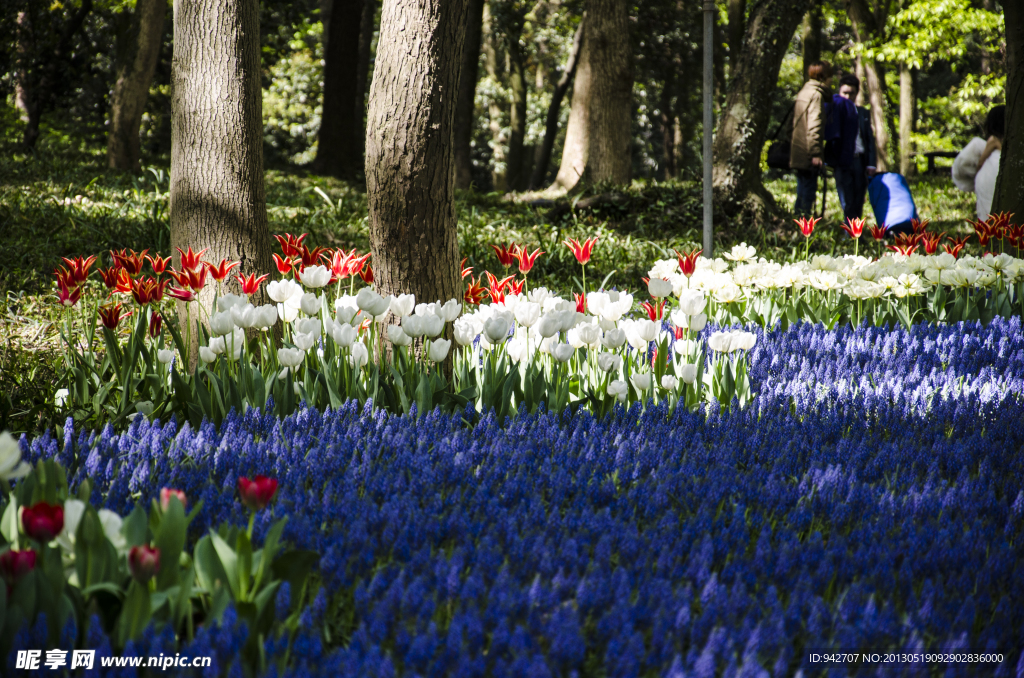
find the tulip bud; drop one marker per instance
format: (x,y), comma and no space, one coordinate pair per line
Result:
(143,563)
(641,382)
(258,492)
(618,389)
(669,383)
(16,564)
(165,498)
(42,521)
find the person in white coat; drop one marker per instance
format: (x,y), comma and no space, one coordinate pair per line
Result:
(977,166)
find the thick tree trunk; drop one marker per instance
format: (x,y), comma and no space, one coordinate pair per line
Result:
(465,106)
(812,37)
(907,164)
(515,177)
(870,25)
(217,193)
(737,10)
(543,159)
(743,124)
(1008,195)
(338,151)
(134,75)
(410,177)
(366,30)
(598,135)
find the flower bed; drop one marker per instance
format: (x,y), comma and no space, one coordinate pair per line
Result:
(870,497)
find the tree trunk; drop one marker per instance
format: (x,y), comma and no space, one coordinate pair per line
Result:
(515,177)
(369,24)
(599,132)
(465,106)
(134,75)
(217,194)
(737,10)
(1008,195)
(543,159)
(337,152)
(743,123)
(410,161)
(907,163)
(24,100)
(668,133)
(494,111)
(869,25)
(812,37)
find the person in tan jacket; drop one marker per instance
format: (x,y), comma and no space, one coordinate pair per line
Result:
(808,144)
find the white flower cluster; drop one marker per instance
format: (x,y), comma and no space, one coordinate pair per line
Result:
(234,315)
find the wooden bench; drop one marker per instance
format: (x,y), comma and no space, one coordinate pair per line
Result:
(931,155)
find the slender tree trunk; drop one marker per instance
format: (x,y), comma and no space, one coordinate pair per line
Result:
(1008,195)
(986,57)
(515,177)
(598,135)
(868,25)
(494,110)
(134,75)
(737,10)
(410,161)
(465,106)
(811,37)
(24,100)
(907,163)
(743,124)
(217,194)
(543,160)
(366,29)
(338,151)
(668,132)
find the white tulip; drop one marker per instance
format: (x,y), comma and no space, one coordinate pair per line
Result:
(527,313)
(451,310)
(669,383)
(398,336)
(315,277)
(641,382)
(303,341)
(414,325)
(590,334)
(111,523)
(465,331)
(345,308)
(658,288)
(692,302)
(403,305)
(221,323)
(568,318)
(720,341)
(647,329)
(550,324)
(688,373)
(497,328)
(310,303)
(744,341)
(283,290)
(519,350)
(287,312)
(11,465)
(229,301)
(309,326)
(266,316)
(290,357)
(618,389)
(244,315)
(165,355)
(698,322)
(438,350)
(614,338)
(360,355)
(371,302)
(432,325)
(60,396)
(609,362)
(206,354)
(344,335)
(562,352)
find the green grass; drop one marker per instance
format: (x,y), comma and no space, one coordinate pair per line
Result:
(63,201)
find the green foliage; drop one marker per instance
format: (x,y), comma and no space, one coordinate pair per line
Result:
(291,101)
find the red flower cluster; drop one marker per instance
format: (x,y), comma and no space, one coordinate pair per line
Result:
(70,279)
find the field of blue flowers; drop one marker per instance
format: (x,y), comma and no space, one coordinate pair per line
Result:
(871,497)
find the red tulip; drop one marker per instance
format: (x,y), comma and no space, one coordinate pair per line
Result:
(931,242)
(957,246)
(654,311)
(688,261)
(516,286)
(284,266)
(111,316)
(110,276)
(69,296)
(165,497)
(919,226)
(257,493)
(878,232)
(581,302)
(290,244)
(366,274)
(146,291)
(156,322)
(158,263)
(466,270)
(192,261)
(79,267)
(506,253)
(581,252)
(250,283)
(65,278)
(181,294)
(16,564)
(474,293)
(130,260)
(43,521)
(855,227)
(221,270)
(806,225)
(526,260)
(904,248)
(143,563)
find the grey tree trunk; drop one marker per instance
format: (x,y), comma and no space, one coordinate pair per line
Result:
(516,175)
(812,37)
(217,193)
(366,30)
(1008,196)
(907,164)
(598,135)
(410,163)
(131,90)
(465,106)
(743,123)
(492,59)
(543,159)
(869,24)
(737,10)
(338,151)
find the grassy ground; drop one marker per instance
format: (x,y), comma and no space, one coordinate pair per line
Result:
(63,201)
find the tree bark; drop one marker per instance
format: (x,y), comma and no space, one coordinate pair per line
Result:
(338,151)
(410,162)
(598,135)
(366,30)
(543,160)
(907,163)
(134,75)
(465,106)
(515,177)
(494,111)
(743,123)
(217,195)
(737,10)
(1008,194)
(24,100)
(811,37)
(869,25)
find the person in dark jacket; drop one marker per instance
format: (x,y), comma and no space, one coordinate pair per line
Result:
(852,177)
(806,156)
